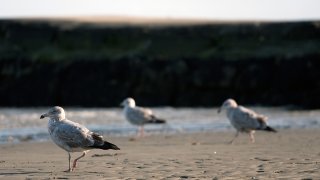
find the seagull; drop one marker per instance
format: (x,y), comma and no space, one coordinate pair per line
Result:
(139,115)
(244,119)
(73,137)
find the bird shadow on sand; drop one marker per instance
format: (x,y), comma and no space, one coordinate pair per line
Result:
(111,155)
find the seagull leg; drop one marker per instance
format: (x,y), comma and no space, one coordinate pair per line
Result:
(69,170)
(75,161)
(140,132)
(236,135)
(251,136)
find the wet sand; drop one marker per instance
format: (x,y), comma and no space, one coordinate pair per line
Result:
(289,154)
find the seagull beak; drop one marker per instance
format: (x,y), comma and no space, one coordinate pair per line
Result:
(43,116)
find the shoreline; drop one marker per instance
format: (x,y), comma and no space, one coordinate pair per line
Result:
(24,125)
(287,154)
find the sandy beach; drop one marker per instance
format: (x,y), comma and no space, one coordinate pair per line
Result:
(289,154)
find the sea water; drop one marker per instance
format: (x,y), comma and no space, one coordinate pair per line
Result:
(24,124)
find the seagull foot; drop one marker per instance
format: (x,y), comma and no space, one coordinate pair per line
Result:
(68,170)
(74,166)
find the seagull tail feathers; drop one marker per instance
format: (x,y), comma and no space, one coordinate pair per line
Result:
(268,128)
(156,120)
(106,145)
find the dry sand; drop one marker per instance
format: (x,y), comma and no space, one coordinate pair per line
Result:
(289,154)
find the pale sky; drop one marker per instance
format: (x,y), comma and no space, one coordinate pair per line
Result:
(198,9)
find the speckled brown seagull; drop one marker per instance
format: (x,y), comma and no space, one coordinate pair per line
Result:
(244,120)
(73,137)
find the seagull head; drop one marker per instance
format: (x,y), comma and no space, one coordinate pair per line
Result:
(128,102)
(229,103)
(55,113)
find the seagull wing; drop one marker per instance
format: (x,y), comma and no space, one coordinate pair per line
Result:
(73,134)
(139,115)
(248,119)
